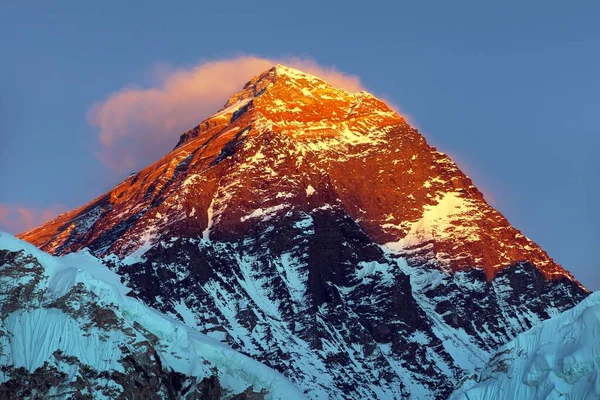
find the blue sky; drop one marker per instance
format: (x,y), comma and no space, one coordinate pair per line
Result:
(510,90)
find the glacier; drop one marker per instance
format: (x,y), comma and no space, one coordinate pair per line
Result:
(558,358)
(42,330)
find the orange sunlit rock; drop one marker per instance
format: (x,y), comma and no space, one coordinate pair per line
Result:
(290,141)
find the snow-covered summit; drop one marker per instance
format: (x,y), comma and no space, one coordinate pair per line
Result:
(559,358)
(300,105)
(293,73)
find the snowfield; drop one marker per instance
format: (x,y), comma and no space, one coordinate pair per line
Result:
(38,330)
(557,359)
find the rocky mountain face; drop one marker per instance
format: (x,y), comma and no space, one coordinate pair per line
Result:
(316,231)
(68,330)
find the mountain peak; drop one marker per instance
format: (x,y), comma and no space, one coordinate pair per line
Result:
(278,76)
(290,101)
(302,222)
(404,194)
(293,73)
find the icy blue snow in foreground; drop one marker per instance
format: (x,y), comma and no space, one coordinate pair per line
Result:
(557,359)
(36,332)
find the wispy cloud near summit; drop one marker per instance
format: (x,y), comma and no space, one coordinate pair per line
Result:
(16,218)
(138,125)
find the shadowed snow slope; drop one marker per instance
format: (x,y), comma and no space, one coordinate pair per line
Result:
(68,327)
(560,358)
